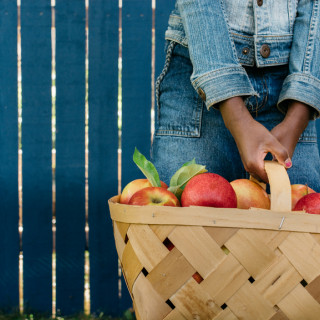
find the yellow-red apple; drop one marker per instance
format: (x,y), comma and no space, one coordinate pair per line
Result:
(132,187)
(209,190)
(155,196)
(309,203)
(250,194)
(298,191)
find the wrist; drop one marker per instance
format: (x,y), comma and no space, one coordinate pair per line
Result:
(234,113)
(298,115)
(290,129)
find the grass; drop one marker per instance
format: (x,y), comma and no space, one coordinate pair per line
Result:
(128,315)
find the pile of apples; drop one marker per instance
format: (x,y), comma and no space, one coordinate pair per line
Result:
(192,185)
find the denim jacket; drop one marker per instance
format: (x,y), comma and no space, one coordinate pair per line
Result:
(223,36)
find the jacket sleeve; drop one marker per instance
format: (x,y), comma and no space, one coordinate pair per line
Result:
(303,81)
(217,74)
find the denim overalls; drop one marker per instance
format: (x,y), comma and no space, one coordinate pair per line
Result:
(265,51)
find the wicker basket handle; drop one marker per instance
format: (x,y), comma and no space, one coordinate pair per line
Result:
(280,187)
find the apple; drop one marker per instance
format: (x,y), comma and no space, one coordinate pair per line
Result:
(250,194)
(196,276)
(132,187)
(298,191)
(309,203)
(156,196)
(209,190)
(168,244)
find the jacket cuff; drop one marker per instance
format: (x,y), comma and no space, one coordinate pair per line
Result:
(303,88)
(219,85)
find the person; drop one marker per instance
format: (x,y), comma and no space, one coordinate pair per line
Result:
(240,84)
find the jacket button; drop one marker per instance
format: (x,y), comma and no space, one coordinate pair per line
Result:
(245,51)
(259,3)
(265,51)
(202,94)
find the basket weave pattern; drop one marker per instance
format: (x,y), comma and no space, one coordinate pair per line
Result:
(225,263)
(247,274)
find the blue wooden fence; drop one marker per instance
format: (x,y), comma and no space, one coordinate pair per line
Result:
(59,29)
(62,27)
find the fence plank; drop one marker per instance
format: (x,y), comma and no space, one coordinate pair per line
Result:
(36,144)
(136,89)
(103,146)
(9,208)
(136,80)
(70,155)
(163,10)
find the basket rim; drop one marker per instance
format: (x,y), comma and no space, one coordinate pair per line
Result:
(254,218)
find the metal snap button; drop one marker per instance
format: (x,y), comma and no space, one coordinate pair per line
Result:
(202,94)
(259,3)
(265,51)
(245,51)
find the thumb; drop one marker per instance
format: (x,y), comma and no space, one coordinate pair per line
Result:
(280,154)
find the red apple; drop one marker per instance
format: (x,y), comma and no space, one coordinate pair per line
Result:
(250,194)
(168,244)
(298,191)
(209,190)
(309,203)
(196,276)
(132,187)
(155,196)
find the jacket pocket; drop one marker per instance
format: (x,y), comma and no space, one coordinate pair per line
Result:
(179,107)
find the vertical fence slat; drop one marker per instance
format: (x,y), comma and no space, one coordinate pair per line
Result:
(136,88)
(36,145)
(9,208)
(163,10)
(103,146)
(70,155)
(136,80)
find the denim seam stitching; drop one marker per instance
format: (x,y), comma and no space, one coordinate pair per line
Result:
(180,133)
(279,37)
(303,75)
(198,119)
(274,60)
(234,50)
(265,94)
(310,45)
(259,107)
(179,41)
(229,94)
(307,140)
(225,71)
(163,73)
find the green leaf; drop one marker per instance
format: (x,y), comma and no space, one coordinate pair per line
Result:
(183,175)
(193,161)
(147,168)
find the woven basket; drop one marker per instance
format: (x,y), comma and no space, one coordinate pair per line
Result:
(254,264)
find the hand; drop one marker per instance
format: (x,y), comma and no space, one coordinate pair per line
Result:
(253,140)
(290,129)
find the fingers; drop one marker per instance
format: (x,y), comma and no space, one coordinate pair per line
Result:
(287,164)
(254,142)
(279,153)
(256,170)
(255,164)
